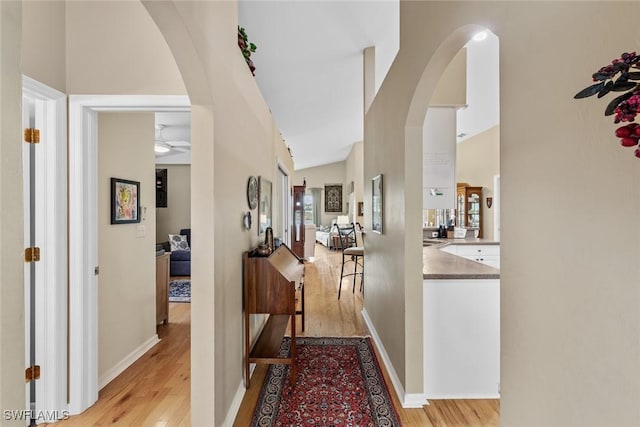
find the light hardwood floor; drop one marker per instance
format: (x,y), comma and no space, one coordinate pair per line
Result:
(155,391)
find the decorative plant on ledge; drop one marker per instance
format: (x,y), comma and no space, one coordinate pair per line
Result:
(625,106)
(247,48)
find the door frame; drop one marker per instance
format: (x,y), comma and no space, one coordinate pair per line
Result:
(50,198)
(285,201)
(83,231)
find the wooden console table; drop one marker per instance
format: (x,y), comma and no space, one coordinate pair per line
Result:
(271,285)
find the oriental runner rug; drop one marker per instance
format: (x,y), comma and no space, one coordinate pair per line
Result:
(338,383)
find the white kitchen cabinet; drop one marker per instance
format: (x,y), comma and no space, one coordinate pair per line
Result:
(461,344)
(486,254)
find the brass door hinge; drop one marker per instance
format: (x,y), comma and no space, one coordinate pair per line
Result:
(32,254)
(32,373)
(32,136)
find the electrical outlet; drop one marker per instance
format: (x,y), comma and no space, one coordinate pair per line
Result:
(140,231)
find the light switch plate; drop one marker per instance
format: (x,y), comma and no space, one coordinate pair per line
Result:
(140,231)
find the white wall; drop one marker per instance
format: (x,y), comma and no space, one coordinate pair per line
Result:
(127,285)
(439,158)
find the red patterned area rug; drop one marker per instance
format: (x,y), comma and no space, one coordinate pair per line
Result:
(338,383)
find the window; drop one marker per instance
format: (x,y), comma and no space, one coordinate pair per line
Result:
(312,206)
(308,209)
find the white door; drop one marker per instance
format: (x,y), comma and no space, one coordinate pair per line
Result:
(45,227)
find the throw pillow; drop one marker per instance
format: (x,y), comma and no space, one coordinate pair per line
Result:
(178,242)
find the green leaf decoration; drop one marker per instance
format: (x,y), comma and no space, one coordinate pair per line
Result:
(246,48)
(589,91)
(622,86)
(600,76)
(606,89)
(615,102)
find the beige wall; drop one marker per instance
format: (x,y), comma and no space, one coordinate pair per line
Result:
(177,214)
(12,353)
(354,172)
(45,34)
(478,161)
(452,86)
(114,48)
(570,326)
(285,161)
(134,59)
(127,287)
(317,177)
(235,134)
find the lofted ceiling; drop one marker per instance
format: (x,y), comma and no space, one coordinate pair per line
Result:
(309,65)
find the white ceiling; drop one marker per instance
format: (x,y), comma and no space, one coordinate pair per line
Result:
(483,88)
(309,66)
(173,129)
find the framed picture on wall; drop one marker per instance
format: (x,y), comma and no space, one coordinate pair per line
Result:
(125,201)
(376,204)
(333,198)
(264,204)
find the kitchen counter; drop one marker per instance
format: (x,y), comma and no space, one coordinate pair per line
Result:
(444,242)
(437,264)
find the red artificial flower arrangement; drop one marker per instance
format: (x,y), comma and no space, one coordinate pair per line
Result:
(619,76)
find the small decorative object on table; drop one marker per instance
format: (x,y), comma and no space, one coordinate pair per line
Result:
(626,106)
(268,238)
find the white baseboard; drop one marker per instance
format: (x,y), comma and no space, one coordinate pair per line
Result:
(408,400)
(119,368)
(232,413)
(463,396)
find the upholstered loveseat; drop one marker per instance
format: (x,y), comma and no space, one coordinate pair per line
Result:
(180,260)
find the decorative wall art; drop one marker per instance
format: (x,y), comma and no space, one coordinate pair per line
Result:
(264,205)
(333,198)
(360,208)
(376,204)
(252,192)
(125,201)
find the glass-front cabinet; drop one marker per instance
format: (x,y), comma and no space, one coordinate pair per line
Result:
(469,207)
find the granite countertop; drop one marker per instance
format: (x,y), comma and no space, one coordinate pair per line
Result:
(471,241)
(437,264)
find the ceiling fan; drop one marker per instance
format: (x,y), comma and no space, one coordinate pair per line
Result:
(172,138)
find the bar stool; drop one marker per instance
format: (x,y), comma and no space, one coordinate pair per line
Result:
(351,252)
